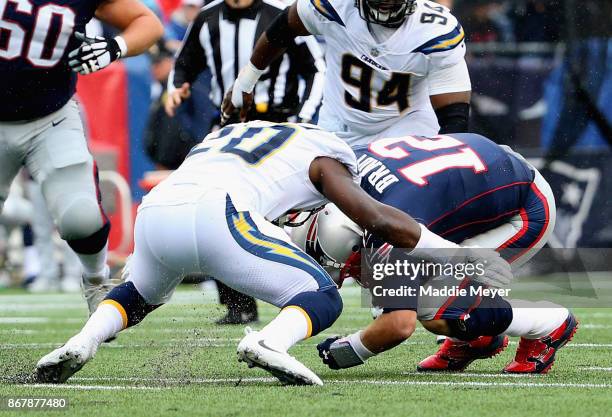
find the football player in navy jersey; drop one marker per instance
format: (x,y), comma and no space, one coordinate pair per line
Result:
(473,192)
(42,48)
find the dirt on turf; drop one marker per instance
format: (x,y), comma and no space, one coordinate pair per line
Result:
(16,370)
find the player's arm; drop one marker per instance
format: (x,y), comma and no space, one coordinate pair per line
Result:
(452,111)
(335,182)
(189,64)
(271,44)
(450,92)
(139,27)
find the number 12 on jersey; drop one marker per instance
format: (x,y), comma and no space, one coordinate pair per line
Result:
(419,171)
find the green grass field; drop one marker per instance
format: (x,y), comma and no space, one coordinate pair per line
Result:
(178,363)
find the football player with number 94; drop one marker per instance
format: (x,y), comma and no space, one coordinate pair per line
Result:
(394,67)
(43,47)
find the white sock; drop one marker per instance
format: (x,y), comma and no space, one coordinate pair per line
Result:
(31,262)
(94,265)
(289,327)
(104,323)
(533,320)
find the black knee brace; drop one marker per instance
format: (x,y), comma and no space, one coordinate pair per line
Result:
(490,318)
(93,243)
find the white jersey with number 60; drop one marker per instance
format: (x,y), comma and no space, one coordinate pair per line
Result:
(264,167)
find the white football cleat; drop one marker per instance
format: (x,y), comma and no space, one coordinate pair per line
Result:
(59,365)
(253,350)
(95,288)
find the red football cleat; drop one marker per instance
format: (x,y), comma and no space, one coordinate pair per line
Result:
(536,356)
(455,356)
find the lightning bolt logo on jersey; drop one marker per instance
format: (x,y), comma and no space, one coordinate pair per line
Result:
(372,81)
(35,38)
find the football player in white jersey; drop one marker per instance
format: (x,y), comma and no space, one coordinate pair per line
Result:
(394,67)
(213,216)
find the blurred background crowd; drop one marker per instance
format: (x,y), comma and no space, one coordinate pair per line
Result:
(541,75)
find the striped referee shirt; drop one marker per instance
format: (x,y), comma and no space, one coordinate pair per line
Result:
(222,39)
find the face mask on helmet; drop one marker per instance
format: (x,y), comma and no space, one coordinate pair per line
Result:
(332,239)
(390,13)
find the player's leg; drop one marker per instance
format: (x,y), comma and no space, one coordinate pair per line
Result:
(543,327)
(473,327)
(17,210)
(518,240)
(44,241)
(241,309)
(12,139)
(533,227)
(60,161)
(274,270)
(164,252)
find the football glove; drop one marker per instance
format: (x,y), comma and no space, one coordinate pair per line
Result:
(95,53)
(338,353)
(497,272)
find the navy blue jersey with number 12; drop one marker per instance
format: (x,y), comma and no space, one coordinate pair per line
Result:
(35,39)
(458,185)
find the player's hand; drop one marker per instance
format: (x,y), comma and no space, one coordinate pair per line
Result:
(497,272)
(236,99)
(338,353)
(94,54)
(175,98)
(325,354)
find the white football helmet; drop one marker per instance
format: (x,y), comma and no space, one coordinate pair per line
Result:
(332,239)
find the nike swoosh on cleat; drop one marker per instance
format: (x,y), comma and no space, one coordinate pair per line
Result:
(263,345)
(58,122)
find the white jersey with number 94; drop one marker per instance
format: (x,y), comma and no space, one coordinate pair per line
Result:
(379,87)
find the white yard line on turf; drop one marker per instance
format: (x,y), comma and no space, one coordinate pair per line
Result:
(468,375)
(19,320)
(42,307)
(597,368)
(92,387)
(174,380)
(484,384)
(480,384)
(221,342)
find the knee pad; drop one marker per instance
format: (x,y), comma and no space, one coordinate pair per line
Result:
(79,217)
(132,307)
(491,318)
(93,243)
(322,307)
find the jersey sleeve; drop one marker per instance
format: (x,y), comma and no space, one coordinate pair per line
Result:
(451,79)
(315,14)
(331,146)
(442,38)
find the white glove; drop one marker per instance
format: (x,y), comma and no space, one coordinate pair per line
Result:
(247,78)
(497,272)
(95,53)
